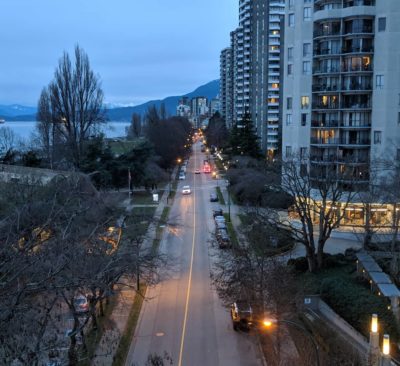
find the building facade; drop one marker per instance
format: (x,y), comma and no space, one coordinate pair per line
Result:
(341,95)
(251,69)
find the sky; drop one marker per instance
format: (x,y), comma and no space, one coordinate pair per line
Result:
(141,49)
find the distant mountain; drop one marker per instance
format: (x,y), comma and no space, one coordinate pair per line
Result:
(15,110)
(210,90)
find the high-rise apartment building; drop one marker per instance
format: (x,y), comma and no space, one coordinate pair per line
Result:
(267,27)
(255,58)
(226,86)
(341,95)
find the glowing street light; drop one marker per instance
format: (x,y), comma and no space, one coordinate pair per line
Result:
(386,345)
(374,323)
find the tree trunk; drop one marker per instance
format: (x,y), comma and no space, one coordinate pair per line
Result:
(311,259)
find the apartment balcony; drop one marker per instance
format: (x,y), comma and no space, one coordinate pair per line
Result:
(326,124)
(351,50)
(355,142)
(324,141)
(355,87)
(323,106)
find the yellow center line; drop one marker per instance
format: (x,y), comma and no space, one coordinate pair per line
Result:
(190,270)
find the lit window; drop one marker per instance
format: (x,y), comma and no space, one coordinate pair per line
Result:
(379,81)
(305,102)
(307,13)
(306,49)
(291,20)
(381,24)
(275,86)
(377,137)
(288,119)
(306,67)
(304,119)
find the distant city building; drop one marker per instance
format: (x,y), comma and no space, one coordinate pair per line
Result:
(199,110)
(226,86)
(250,70)
(183,108)
(214,106)
(341,89)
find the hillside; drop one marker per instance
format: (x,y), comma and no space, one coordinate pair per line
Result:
(209,90)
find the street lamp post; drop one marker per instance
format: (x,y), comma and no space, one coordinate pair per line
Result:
(268,323)
(229,203)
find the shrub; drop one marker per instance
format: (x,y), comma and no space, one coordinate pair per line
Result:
(355,304)
(299,264)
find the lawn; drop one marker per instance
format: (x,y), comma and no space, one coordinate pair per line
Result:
(144,197)
(121,146)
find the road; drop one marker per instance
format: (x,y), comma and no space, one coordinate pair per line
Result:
(184,316)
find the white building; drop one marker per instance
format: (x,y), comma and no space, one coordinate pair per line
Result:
(341,89)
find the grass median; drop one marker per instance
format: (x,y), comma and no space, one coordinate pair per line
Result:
(220,196)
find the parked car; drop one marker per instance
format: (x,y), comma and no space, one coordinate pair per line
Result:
(242,315)
(223,239)
(218,212)
(219,224)
(219,233)
(81,304)
(186,190)
(182,176)
(213,197)
(197,171)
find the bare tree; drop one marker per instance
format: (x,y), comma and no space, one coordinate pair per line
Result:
(322,195)
(7,140)
(135,128)
(71,107)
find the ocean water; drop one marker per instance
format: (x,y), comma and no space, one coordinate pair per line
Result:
(24,130)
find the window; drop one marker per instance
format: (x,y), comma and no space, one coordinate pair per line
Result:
(307,1)
(381,24)
(306,67)
(398,154)
(288,151)
(290,69)
(307,13)
(291,4)
(379,81)
(290,53)
(305,102)
(291,20)
(289,103)
(398,119)
(303,152)
(304,119)
(306,49)
(377,137)
(288,119)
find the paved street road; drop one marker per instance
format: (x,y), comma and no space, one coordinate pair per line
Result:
(184,316)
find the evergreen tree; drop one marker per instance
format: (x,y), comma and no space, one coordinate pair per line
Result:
(243,139)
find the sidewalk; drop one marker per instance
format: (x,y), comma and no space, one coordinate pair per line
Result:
(116,324)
